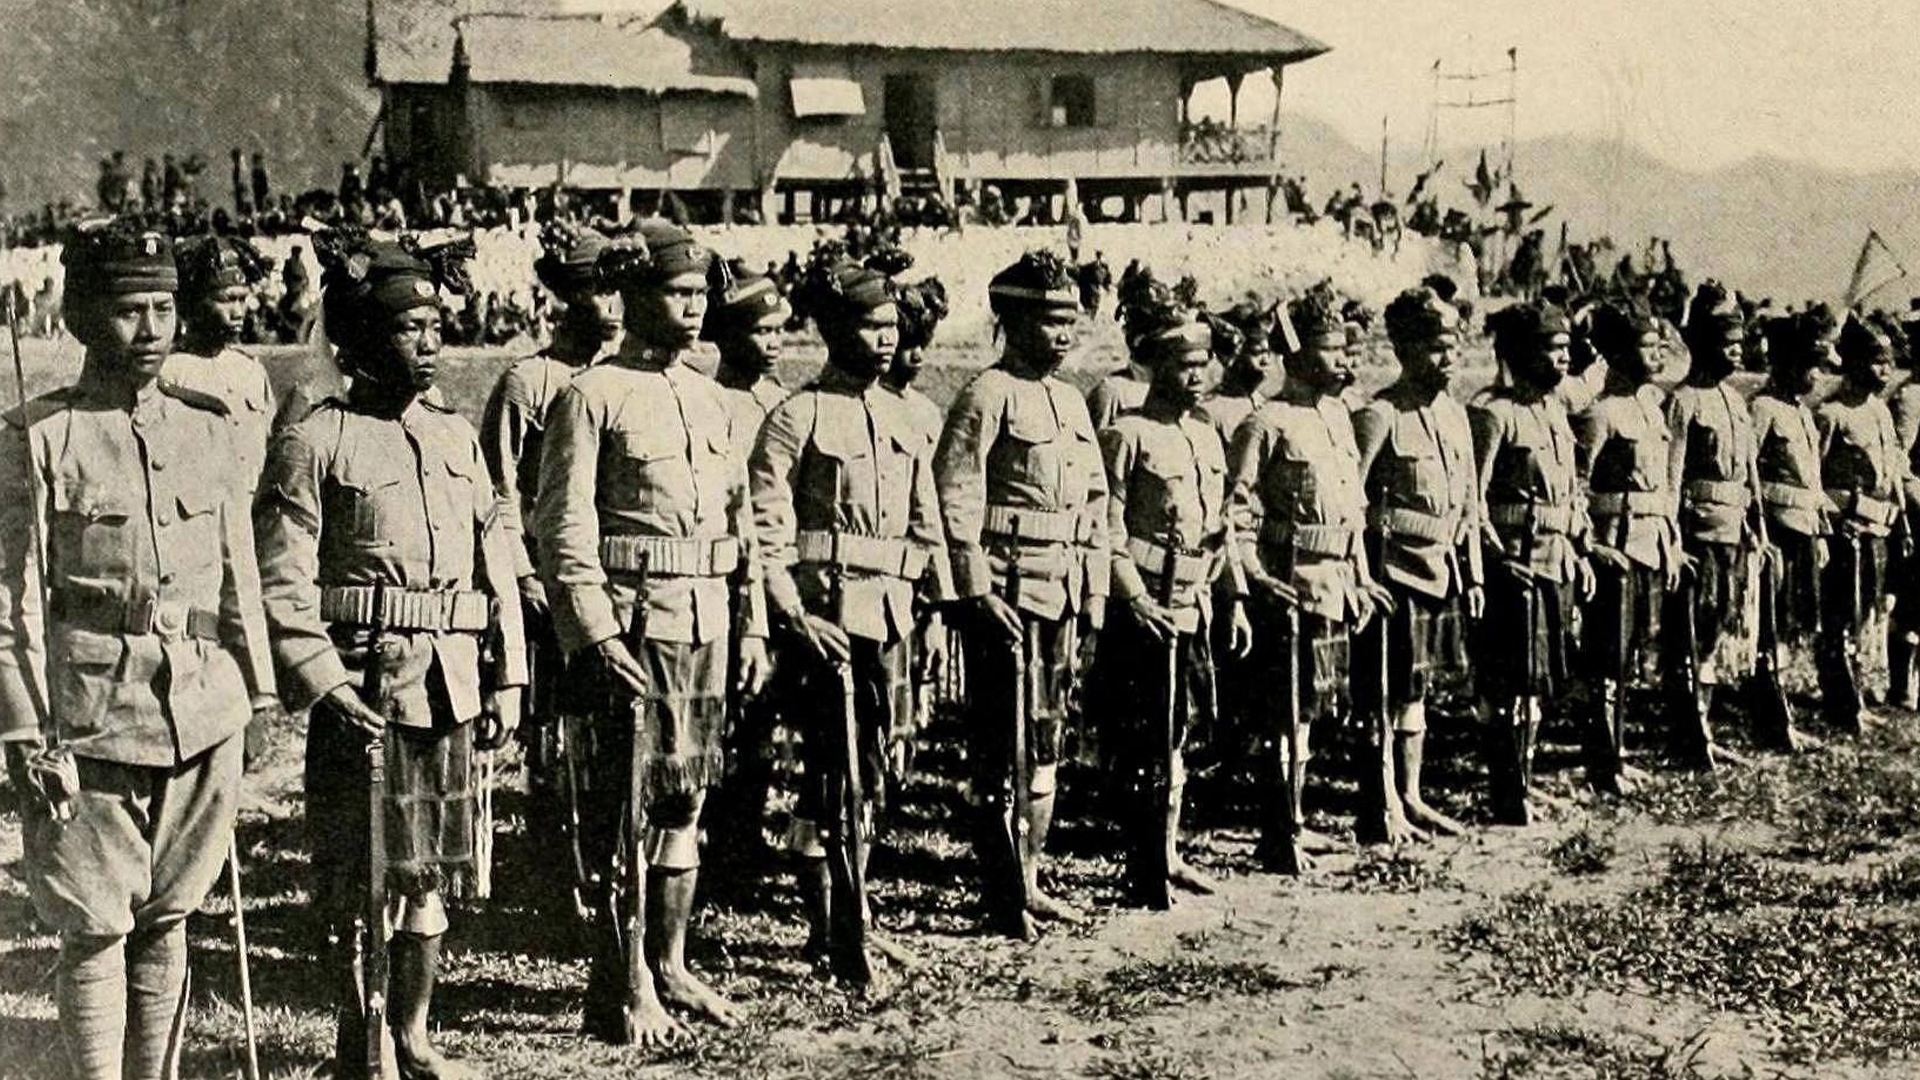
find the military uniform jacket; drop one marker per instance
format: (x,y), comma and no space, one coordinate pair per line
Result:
(1422,491)
(1229,411)
(512,428)
(241,384)
(354,498)
(1904,403)
(1024,492)
(1712,467)
(1625,448)
(638,452)
(748,403)
(1297,503)
(1863,466)
(1167,489)
(926,416)
(1789,465)
(1117,393)
(158,644)
(1529,487)
(841,476)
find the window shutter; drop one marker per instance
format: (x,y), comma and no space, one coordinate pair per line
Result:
(1106,101)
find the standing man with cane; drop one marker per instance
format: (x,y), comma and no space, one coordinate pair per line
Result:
(384,563)
(131,644)
(1024,494)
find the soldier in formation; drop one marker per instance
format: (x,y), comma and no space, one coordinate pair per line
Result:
(1023,495)
(644,527)
(133,652)
(390,594)
(513,426)
(1264,542)
(849,527)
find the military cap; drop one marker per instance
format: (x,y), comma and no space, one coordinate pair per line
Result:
(652,251)
(1713,316)
(118,255)
(367,278)
(1420,315)
(209,263)
(1181,333)
(923,305)
(1146,303)
(1861,342)
(1792,340)
(741,298)
(1526,328)
(837,290)
(1038,279)
(1616,325)
(1318,312)
(568,251)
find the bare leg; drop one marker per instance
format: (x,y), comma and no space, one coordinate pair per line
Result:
(669,910)
(1039,824)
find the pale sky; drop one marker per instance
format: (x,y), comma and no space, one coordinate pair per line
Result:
(1698,83)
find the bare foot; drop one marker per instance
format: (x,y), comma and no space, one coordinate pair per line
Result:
(648,1026)
(683,988)
(1315,842)
(1186,877)
(892,951)
(1042,906)
(1284,858)
(1426,818)
(416,1058)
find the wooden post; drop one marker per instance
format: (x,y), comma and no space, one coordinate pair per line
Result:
(1168,207)
(1231,196)
(726,206)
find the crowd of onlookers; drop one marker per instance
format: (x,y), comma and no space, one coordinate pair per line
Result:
(182,193)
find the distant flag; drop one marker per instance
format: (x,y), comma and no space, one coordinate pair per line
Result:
(1482,185)
(1877,268)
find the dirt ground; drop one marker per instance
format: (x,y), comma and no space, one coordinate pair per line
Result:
(1758,923)
(1443,960)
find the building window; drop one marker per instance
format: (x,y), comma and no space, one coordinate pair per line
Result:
(1071,101)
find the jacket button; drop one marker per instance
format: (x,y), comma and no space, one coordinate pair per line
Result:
(163,519)
(157,463)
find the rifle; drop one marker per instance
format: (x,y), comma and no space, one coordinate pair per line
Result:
(630,930)
(1158,887)
(240,951)
(1022,804)
(373,920)
(847,906)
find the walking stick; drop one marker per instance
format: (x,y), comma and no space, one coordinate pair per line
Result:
(240,951)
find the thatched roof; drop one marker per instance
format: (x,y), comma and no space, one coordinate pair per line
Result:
(412,41)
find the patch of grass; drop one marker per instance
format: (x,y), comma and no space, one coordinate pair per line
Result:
(1555,1050)
(1146,1062)
(1854,797)
(1395,870)
(1831,965)
(1583,853)
(1141,986)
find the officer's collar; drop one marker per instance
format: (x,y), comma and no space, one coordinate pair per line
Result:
(645,357)
(99,383)
(834,377)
